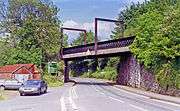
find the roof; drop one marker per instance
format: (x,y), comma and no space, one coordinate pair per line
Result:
(12,68)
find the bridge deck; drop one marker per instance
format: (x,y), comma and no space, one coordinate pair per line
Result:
(104,48)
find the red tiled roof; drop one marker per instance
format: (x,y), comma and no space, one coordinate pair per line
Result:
(12,68)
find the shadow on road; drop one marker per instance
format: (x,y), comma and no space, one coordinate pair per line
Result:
(94,83)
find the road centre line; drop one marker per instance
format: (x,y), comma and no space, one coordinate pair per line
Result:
(131,93)
(137,107)
(74,92)
(70,99)
(116,99)
(63,107)
(73,104)
(92,85)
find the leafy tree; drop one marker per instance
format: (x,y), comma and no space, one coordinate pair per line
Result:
(80,39)
(34,29)
(156,26)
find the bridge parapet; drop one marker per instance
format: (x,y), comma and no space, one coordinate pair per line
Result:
(105,47)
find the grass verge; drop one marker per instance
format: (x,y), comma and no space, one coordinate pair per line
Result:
(2,95)
(53,81)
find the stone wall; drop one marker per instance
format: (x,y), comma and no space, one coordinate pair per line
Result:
(129,71)
(133,74)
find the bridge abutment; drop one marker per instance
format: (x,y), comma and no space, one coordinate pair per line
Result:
(129,71)
(66,71)
(132,73)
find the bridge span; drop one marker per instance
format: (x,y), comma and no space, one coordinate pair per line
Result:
(106,48)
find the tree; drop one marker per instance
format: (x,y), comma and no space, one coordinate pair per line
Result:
(34,29)
(156,26)
(80,39)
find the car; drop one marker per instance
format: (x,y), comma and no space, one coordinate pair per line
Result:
(33,87)
(10,84)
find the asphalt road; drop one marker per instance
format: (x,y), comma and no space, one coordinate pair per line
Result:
(45,102)
(95,95)
(86,95)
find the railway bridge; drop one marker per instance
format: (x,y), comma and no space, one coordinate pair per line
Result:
(130,71)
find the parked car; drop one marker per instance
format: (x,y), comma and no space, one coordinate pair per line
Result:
(10,84)
(33,87)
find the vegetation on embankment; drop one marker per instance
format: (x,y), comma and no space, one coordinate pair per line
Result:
(105,68)
(156,24)
(53,81)
(109,73)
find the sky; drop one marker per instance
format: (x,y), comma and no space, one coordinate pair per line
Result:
(81,14)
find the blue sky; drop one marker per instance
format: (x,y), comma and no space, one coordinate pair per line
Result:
(85,10)
(81,14)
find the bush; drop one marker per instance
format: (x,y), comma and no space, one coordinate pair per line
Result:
(52,81)
(109,73)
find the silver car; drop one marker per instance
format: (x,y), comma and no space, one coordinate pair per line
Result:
(10,84)
(33,87)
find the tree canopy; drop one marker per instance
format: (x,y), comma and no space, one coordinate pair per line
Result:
(156,24)
(34,31)
(80,40)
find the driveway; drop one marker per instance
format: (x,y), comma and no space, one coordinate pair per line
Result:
(45,102)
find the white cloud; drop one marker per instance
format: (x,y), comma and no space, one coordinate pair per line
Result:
(104,29)
(70,23)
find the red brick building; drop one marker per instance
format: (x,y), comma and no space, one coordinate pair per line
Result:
(21,72)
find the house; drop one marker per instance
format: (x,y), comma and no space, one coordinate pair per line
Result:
(21,72)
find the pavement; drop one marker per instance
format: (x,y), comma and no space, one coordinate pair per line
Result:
(150,94)
(96,95)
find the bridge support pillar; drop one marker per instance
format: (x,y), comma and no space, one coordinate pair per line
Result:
(129,71)
(66,71)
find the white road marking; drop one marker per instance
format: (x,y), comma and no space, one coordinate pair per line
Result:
(139,108)
(131,93)
(63,107)
(96,89)
(71,93)
(74,92)
(73,104)
(102,93)
(116,99)
(166,102)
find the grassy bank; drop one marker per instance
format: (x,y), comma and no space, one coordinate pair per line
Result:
(108,73)
(2,95)
(52,81)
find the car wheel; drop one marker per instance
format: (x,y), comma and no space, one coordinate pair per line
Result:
(45,90)
(22,94)
(2,87)
(39,92)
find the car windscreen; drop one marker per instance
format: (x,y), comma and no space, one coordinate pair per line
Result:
(32,83)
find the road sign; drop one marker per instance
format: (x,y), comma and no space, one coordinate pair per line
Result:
(52,67)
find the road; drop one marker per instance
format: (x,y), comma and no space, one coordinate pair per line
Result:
(95,95)
(45,102)
(86,95)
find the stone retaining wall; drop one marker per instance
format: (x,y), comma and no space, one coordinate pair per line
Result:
(131,73)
